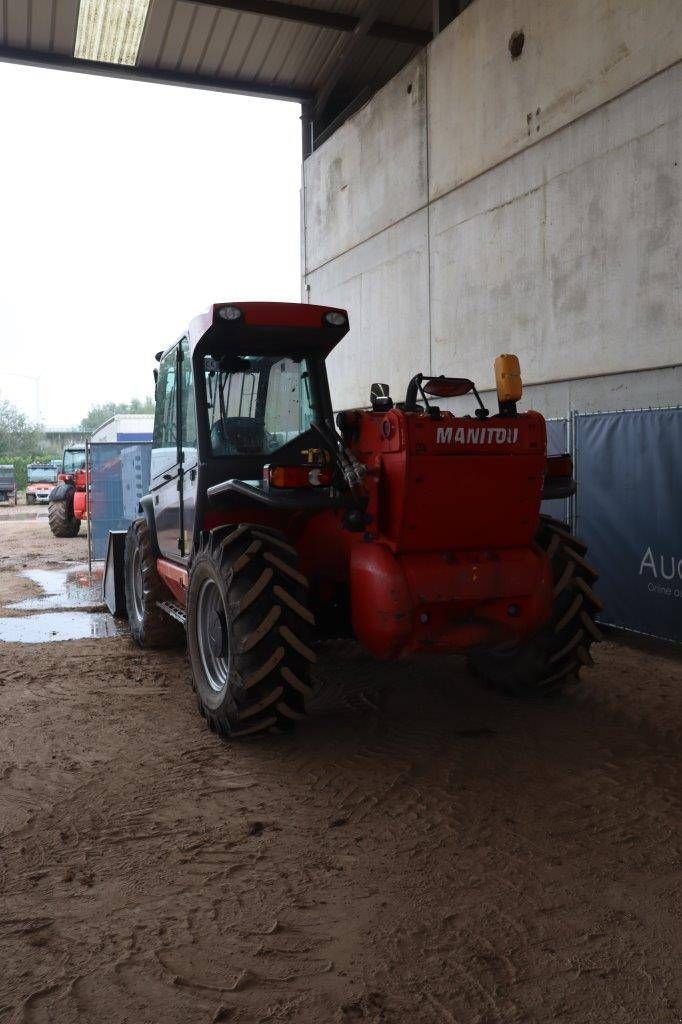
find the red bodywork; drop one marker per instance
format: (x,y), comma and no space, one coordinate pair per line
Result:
(448,560)
(40,489)
(78,479)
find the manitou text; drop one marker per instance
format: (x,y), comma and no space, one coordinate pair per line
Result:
(477,435)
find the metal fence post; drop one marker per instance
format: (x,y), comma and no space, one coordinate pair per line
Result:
(88,502)
(575,455)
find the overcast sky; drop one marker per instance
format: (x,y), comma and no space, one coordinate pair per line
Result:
(127,208)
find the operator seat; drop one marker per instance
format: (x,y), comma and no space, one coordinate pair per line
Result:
(237,435)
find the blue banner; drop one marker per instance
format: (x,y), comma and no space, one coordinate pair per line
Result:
(629,512)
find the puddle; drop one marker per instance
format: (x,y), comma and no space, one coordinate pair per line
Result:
(49,626)
(63,588)
(13,517)
(66,591)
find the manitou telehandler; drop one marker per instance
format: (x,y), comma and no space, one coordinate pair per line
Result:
(68,500)
(409,528)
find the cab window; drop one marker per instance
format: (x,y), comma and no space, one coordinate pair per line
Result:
(189,416)
(74,460)
(166,416)
(256,404)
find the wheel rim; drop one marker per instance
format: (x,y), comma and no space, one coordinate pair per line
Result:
(138,584)
(212,637)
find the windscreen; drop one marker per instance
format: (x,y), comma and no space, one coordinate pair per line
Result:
(256,404)
(74,460)
(41,474)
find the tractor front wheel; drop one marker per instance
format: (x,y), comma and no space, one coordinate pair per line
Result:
(62,521)
(552,658)
(149,626)
(248,631)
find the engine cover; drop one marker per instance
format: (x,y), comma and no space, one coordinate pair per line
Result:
(446,601)
(455,482)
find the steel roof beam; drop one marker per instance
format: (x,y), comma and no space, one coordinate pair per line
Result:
(445,11)
(341,55)
(136,73)
(323,19)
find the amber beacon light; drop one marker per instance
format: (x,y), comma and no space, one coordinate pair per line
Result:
(508,383)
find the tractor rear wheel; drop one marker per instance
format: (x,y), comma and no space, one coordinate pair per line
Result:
(62,521)
(553,657)
(248,631)
(149,626)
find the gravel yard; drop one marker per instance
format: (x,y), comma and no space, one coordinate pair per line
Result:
(420,851)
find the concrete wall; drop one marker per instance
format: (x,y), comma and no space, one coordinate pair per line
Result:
(480,204)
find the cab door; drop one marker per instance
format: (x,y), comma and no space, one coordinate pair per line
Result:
(166,457)
(188,444)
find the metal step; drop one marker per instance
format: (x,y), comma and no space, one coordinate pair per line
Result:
(174,610)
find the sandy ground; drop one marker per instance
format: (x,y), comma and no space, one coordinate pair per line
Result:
(427,853)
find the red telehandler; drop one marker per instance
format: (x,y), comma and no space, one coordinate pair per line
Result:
(268,524)
(68,500)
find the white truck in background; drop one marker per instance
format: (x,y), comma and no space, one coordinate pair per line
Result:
(125,426)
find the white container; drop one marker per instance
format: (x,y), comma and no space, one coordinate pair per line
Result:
(125,426)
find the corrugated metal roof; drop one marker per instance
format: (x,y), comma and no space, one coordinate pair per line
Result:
(251,46)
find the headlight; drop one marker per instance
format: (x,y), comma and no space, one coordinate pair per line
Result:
(334,319)
(230,313)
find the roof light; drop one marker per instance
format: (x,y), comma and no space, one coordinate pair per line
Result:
(110,30)
(334,318)
(230,313)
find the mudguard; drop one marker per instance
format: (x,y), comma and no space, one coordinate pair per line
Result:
(62,492)
(561,487)
(147,507)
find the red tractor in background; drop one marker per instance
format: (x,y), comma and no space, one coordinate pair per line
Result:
(68,500)
(409,528)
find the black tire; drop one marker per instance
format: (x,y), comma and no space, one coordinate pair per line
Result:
(149,625)
(249,629)
(63,522)
(553,657)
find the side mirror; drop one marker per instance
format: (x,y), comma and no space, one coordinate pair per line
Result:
(448,387)
(380,398)
(441,387)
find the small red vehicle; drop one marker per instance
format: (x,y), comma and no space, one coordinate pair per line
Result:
(270,524)
(41,479)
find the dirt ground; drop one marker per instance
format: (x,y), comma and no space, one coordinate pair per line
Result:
(426,852)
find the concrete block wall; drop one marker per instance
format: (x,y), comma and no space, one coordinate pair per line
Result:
(480,204)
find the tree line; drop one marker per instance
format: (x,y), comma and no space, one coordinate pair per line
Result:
(23,441)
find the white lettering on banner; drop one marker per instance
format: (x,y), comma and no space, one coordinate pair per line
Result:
(668,568)
(477,435)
